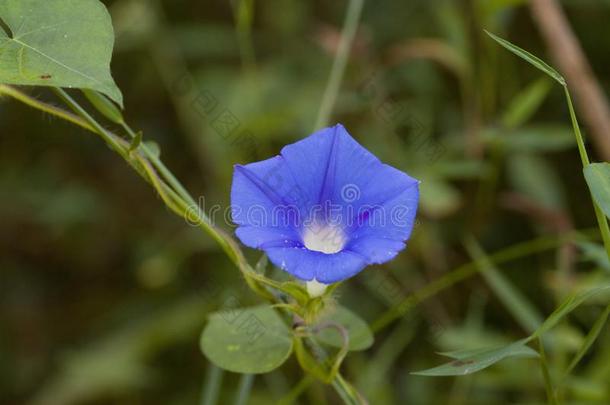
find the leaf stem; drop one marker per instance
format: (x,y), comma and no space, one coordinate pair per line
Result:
(211,385)
(243,392)
(601,218)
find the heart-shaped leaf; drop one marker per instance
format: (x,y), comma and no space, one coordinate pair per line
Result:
(247,340)
(62,43)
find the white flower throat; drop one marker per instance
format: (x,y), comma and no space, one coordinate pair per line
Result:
(324,238)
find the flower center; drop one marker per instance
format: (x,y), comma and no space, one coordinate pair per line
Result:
(324,238)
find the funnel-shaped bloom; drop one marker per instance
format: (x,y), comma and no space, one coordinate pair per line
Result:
(324,208)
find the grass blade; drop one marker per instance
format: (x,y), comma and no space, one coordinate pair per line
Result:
(528,57)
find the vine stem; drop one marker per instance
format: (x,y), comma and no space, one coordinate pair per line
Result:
(173,194)
(348,33)
(601,218)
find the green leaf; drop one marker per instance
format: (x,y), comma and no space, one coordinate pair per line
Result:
(533,176)
(526,103)
(360,336)
(532,138)
(528,57)
(513,299)
(567,306)
(61,43)
(439,198)
(590,339)
(598,179)
(247,340)
(471,361)
(153,147)
(595,253)
(104,106)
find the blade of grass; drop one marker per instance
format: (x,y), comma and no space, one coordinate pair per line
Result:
(543,66)
(336,74)
(589,340)
(519,306)
(467,270)
(534,60)
(548,383)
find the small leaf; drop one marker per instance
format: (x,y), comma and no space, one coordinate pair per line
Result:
(525,55)
(598,180)
(247,340)
(471,361)
(153,147)
(61,43)
(137,140)
(261,265)
(360,336)
(104,106)
(526,103)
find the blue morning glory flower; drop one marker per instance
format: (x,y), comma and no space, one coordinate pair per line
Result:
(324,208)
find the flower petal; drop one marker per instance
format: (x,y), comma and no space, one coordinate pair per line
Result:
(258,208)
(381,234)
(308,265)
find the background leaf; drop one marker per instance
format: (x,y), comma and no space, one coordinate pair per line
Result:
(247,340)
(360,336)
(63,43)
(598,179)
(470,361)
(525,55)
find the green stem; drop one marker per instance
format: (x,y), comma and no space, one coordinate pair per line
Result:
(44,107)
(245,386)
(211,385)
(158,164)
(80,111)
(601,218)
(548,384)
(346,391)
(336,74)
(178,205)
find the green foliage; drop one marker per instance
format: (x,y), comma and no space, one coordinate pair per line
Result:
(89,250)
(471,361)
(598,179)
(359,335)
(528,57)
(64,43)
(247,340)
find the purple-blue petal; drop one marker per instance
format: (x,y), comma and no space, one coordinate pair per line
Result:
(325,268)
(332,175)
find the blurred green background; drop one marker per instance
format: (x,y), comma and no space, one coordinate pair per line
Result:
(103,291)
